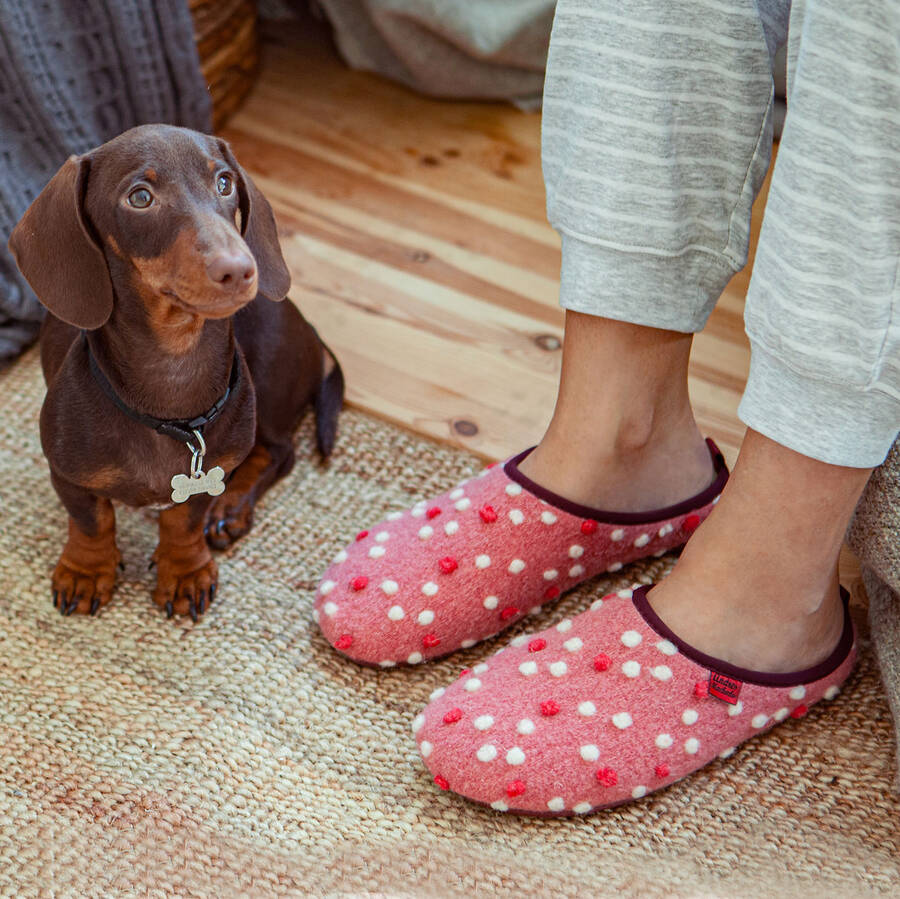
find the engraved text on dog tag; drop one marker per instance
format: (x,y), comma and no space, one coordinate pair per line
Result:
(211,482)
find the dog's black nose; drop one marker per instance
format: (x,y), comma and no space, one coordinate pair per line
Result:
(231,269)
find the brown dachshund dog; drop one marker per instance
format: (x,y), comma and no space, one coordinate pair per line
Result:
(167,351)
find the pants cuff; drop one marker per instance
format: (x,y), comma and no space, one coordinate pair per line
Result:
(827,421)
(642,286)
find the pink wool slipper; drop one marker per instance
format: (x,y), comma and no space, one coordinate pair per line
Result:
(604,708)
(468,564)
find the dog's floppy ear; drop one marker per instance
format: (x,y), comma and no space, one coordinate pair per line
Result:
(57,254)
(258,229)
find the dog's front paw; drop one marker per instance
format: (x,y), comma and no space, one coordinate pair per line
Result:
(229,518)
(182,592)
(83,588)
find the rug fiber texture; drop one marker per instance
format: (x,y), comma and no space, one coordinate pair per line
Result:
(242,756)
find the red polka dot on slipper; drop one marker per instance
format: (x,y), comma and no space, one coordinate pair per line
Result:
(553,733)
(461,567)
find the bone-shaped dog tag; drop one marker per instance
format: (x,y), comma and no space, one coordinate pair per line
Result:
(211,482)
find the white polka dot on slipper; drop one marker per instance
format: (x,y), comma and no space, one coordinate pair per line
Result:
(573,732)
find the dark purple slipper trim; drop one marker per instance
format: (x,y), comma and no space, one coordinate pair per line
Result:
(760,678)
(511,468)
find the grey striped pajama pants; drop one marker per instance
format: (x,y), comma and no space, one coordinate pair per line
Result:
(657,133)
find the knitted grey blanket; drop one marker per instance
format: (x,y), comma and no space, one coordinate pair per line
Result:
(74,73)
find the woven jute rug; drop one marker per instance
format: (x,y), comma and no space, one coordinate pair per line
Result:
(242,757)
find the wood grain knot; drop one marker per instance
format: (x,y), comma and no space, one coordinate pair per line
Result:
(465,428)
(548,342)
(421,256)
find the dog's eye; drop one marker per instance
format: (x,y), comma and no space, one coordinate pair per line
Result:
(140,198)
(225,184)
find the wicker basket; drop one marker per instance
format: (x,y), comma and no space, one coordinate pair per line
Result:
(226,37)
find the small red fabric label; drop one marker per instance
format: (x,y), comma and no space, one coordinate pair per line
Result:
(725,688)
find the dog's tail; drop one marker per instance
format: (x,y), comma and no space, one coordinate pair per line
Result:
(328,402)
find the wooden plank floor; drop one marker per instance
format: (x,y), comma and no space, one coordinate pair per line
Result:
(416,234)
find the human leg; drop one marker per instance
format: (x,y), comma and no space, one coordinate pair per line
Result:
(823,316)
(623,435)
(651,166)
(758,584)
(647,247)
(823,308)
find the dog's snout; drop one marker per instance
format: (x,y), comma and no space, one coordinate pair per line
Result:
(231,269)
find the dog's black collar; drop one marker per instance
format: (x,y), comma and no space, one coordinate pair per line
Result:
(182,428)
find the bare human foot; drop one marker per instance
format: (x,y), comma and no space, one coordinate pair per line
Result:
(757,585)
